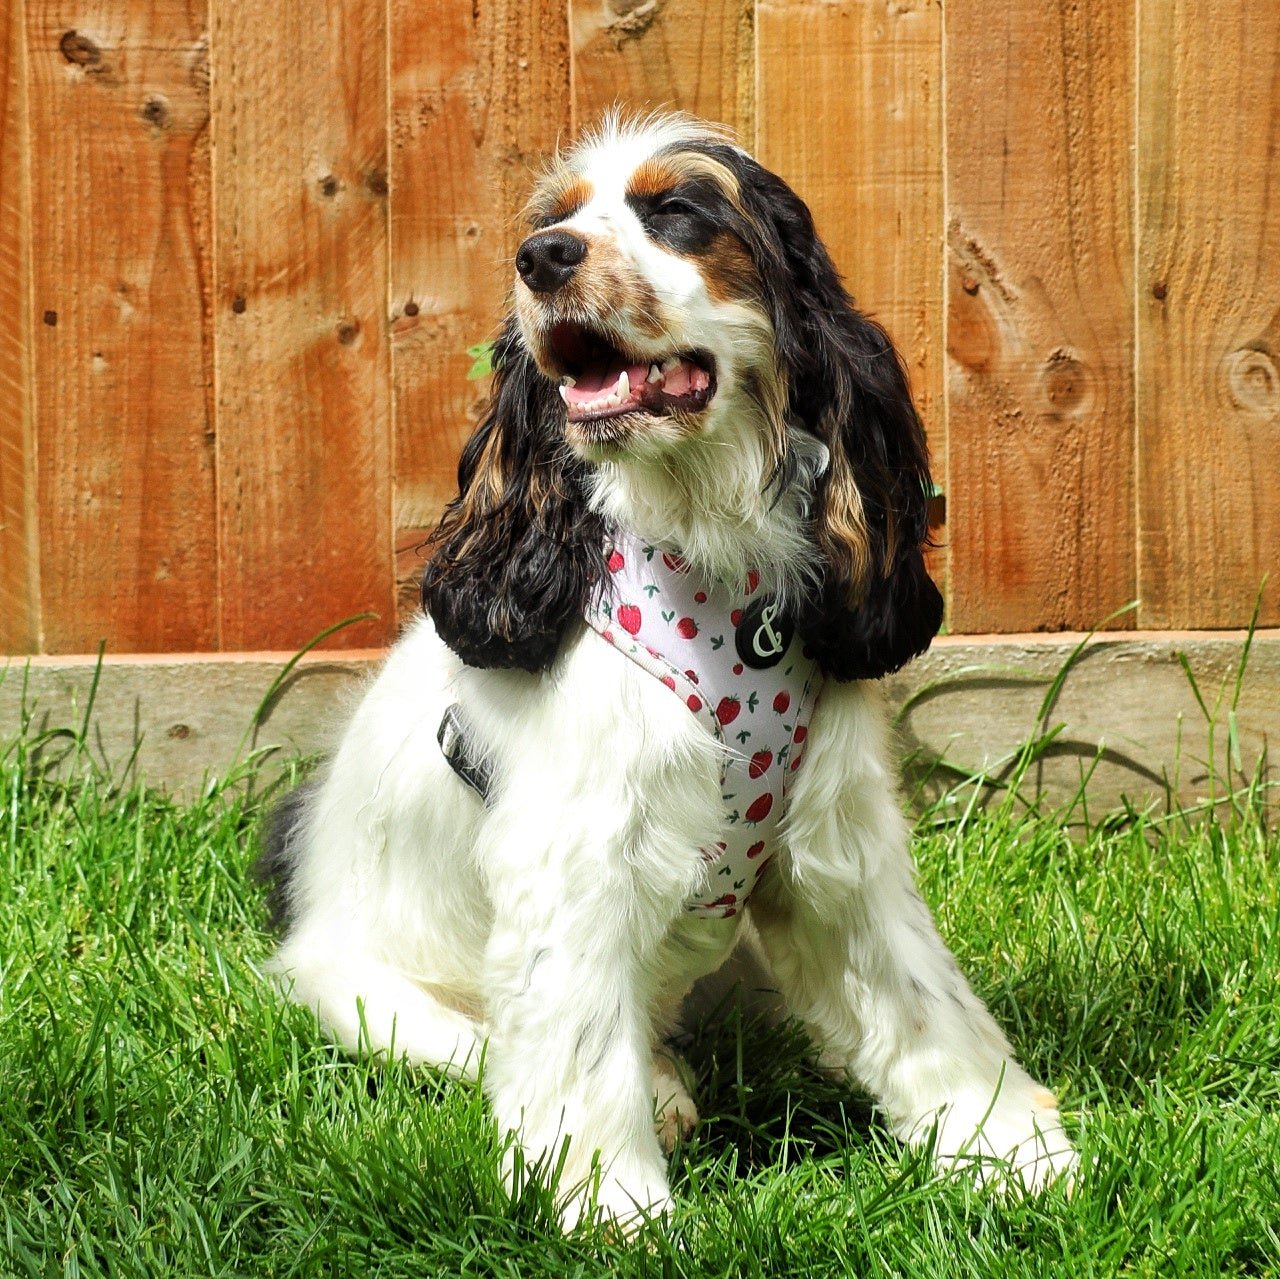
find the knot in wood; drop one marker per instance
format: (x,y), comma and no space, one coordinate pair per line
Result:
(1254,381)
(1066,382)
(155,110)
(79,49)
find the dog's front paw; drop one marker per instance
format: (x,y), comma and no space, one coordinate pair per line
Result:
(675,1115)
(1015,1140)
(623,1199)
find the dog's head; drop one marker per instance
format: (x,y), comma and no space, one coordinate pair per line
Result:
(675,313)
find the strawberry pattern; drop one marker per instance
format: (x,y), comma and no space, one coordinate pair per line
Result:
(660,612)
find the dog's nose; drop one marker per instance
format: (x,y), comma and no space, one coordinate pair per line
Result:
(547,260)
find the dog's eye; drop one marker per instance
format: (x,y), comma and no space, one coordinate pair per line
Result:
(673,206)
(676,221)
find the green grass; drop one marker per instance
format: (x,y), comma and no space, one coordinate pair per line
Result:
(162,1112)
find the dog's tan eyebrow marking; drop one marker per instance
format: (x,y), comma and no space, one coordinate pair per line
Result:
(659,173)
(558,197)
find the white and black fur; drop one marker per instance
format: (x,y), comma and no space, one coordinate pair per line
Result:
(547,923)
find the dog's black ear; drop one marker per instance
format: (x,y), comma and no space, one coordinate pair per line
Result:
(876,607)
(517,552)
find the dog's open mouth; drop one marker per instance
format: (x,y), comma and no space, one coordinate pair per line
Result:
(598,380)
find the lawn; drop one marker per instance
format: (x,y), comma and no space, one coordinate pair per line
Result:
(162,1112)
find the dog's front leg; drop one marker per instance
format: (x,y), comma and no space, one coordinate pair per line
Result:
(569,984)
(856,953)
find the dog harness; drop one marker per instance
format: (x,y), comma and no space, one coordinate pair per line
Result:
(738,666)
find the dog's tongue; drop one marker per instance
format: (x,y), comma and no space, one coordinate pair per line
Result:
(602,380)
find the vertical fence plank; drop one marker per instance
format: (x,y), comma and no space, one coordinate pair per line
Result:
(694,54)
(118,110)
(1209,311)
(19,583)
(850,113)
(303,383)
(1039,111)
(479,94)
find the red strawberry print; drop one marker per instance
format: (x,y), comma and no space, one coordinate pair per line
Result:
(691,676)
(700,597)
(616,562)
(686,628)
(608,635)
(760,808)
(729,899)
(669,682)
(737,668)
(693,703)
(756,849)
(753,580)
(728,710)
(801,734)
(674,562)
(736,616)
(760,762)
(629,618)
(780,703)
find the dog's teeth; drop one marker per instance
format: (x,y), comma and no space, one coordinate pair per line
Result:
(671,363)
(655,374)
(623,389)
(568,381)
(564,393)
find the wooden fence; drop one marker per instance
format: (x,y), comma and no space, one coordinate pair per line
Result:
(245,246)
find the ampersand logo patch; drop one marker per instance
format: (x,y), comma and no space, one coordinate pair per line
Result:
(763,635)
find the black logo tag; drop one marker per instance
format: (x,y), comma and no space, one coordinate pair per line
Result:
(763,636)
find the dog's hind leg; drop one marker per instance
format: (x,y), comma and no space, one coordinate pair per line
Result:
(369,1006)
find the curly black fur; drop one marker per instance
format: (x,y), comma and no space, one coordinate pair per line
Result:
(517,551)
(848,387)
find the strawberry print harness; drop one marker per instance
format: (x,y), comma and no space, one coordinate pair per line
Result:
(739,668)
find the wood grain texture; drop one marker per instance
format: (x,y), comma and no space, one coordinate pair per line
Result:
(850,114)
(1040,102)
(119,108)
(697,55)
(1209,311)
(303,383)
(19,551)
(479,95)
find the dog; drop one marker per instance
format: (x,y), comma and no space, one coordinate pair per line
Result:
(638,719)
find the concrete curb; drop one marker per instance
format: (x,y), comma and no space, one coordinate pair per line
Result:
(1126,709)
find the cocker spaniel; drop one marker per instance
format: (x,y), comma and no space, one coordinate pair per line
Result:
(639,717)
